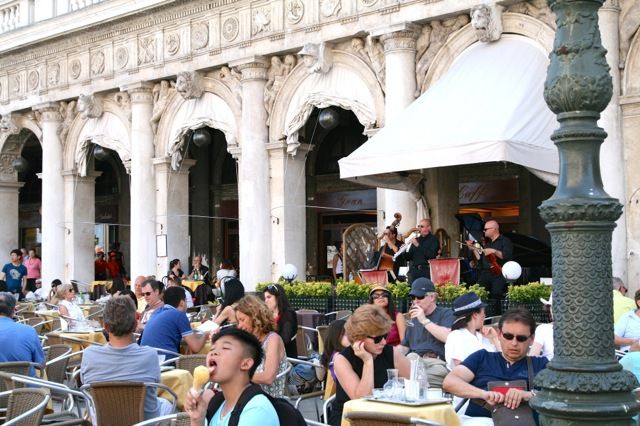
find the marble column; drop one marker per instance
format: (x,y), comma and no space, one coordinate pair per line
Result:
(9,225)
(143,191)
(288,218)
(172,207)
(631,132)
(253,176)
(80,213)
(612,163)
(399,43)
(53,221)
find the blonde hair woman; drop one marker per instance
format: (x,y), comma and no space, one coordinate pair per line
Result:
(254,316)
(363,366)
(66,295)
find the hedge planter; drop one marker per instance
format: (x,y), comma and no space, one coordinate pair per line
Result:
(349,303)
(537,308)
(320,304)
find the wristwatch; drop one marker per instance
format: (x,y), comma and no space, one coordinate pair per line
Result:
(426,322)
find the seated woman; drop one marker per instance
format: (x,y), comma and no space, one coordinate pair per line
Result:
(543,343)
(66,296)
(363,366)
(627,328)
(175,270)
(284,316)
(225,273)
(380,296)
(225,313)
(335,342)
(468,333)
(254,317)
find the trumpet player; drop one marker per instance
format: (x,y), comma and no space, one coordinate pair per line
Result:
(422,249)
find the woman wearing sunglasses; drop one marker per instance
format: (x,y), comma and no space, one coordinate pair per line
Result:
(363,366)
(380,296)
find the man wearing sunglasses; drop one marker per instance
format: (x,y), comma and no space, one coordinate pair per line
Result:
(471,378)
(152,293)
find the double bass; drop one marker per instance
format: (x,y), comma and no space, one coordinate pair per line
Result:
(386,262)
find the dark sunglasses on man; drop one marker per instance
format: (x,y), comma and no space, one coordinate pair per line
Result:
(519,337)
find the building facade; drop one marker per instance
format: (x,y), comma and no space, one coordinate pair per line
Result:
(197,127)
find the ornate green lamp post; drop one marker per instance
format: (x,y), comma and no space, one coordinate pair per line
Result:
(584,384)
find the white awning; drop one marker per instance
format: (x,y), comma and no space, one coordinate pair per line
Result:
(489,106)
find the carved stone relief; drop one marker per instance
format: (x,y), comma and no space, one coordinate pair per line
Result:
(261,21)
(538,9)
(368,3)
(146,50)
(486,20)
(230,28)
(629,23)
(89,106)
(276,75)
(124,102)
(68,113)
(122,57)
(199,36)
(189,84)
(172,43)
(372,52)
(430,41)
(161,94)
(15,84)
(6,164)
(317,57)
(232,79)
(97,63)
(75,67)
(53,74)
(33,78)
(330,8)
(8,125)
(295,11)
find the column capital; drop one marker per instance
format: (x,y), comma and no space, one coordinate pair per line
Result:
(612,5)
(279,150)
(252,67)
(140,92)
(235,151)
(10,186)
(49,111)
(186,164)
(401,36)
(73,175)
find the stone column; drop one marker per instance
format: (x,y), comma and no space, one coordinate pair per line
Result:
(631,132)
(399,43)
(253,176)
(288,218)
(9,225)
(80,214)
(53,224)
(172,207)
(612,162)
(143,190)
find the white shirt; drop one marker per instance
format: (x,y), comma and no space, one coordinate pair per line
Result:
(75,313)
(461,343)
(544,337)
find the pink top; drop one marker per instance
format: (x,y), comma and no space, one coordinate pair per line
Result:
(33,267)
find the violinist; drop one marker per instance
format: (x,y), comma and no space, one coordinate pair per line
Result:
(423,248)
(497,251)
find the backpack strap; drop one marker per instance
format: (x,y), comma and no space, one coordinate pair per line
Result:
(251,391)
(530,373)
(214,405)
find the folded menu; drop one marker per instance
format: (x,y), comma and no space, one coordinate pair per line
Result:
(207,326)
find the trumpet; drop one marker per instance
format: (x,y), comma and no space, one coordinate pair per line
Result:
(404,248)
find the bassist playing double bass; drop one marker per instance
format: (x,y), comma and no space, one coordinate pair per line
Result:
(497,251)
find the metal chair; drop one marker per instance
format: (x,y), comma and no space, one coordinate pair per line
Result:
(56,362)
(367,418)
(190,362)
(314,423)
(298,398)
(25,407)
(337,315)
(177,419)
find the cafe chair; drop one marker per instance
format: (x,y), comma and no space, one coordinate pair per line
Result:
(121,403)
(296,398)
(25,407)
(304,344)
(177,419)
(368,418)
(336,315)
(314,423)
(190,362)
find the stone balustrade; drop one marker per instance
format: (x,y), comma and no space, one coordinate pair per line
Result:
(20,13)
(9,16)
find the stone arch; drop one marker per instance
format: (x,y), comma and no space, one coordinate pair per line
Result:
(111,130)
(294,102)
(631,77)
(11,144)
(218,108)
(512,23)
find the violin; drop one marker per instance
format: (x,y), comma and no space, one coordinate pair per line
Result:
(492,259)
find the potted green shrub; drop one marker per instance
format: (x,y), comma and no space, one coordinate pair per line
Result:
(305,295)
(528,296)
(448,292)
(351,295)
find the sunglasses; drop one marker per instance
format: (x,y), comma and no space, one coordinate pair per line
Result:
(379,296)
(520,338)
(412,298)
(273,288)
(378,339)
(147,293)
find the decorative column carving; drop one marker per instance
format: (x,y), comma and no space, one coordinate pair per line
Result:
(53,223)
(400,86)
(253,176)
(583,384)
(143,190)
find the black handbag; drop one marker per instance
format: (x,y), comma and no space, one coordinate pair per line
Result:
(520,416)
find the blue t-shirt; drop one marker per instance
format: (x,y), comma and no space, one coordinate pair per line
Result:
(166,328)
(491,366)
(419,340)
(258,411)
(19,342)
(13,276)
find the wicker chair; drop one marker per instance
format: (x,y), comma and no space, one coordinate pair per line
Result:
(56,362)
(26,406)
(190,362)
(367,418)
(178,419)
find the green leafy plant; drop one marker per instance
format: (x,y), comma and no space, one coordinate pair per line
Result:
(353,290)
(399,290)
(449,292)
(300,288)
(531,292)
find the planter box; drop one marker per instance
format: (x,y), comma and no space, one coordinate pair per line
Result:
(348,303)
(320,304)
(537,309)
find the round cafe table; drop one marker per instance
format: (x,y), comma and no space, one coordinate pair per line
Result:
(439,413)
(192,284)
(180,381)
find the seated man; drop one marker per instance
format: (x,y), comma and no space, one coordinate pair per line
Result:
(169,325)
(19,342)
(232,361)
(470,378)
(152,293)
(122,360)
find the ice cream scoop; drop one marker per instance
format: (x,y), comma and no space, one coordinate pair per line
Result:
(200,378)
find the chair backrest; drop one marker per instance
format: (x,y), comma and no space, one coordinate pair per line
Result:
(23,400)
(329,386)
(190,362)
(53,338)
(367,418)
(303,343)
(118,403)
(56,371)
(322,336)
